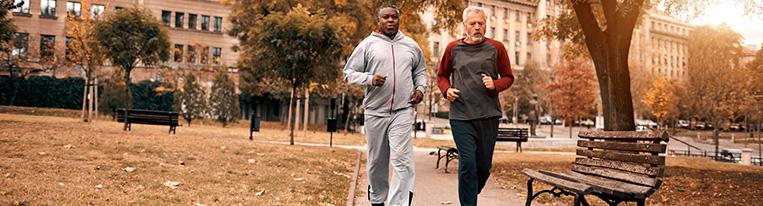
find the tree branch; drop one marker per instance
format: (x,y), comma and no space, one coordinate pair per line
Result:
(610,12)
(593,33)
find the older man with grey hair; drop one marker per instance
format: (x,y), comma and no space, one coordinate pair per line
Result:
(480,69)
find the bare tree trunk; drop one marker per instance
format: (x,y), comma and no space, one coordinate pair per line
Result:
(96,97)
(84,98)
(90,103)
(307,111)
(349,118)
(297,116)
(288,119)
(716,136)
(291,127)
(572,124)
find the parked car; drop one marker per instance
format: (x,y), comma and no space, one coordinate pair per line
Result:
(731,155)
(683,124)
(642,128)
(700,125)
(646,122)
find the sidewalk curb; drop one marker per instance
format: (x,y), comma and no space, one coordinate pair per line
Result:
(354,182)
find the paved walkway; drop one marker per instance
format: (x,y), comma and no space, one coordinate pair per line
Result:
(434,187)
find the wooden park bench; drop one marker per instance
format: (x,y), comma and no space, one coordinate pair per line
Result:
(451,153)
(615,166)
(139,116)
(517,135)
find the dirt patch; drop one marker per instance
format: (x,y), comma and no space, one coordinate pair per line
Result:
(688,181)
(61,161)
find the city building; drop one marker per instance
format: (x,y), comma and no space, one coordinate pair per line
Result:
(197,30)
(660,45)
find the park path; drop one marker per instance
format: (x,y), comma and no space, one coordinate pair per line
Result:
(434,187)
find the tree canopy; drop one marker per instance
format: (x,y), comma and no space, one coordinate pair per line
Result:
(132,36)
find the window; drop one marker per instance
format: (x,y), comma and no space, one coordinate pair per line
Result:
(205,23)
(74,8)
(218,24)
(479,4)
(178,53)
(217,52)
(505,34)
(192,21)
(191,54)
(492,11)
(48,7)
(492,32)
(20,44)
(204,56)
(166,16)
(505,13)
(96,10)
(47,45)
(179,19)
(24,8)
(516,57)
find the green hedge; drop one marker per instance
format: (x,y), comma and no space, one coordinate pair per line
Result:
(43,91)
(66,93)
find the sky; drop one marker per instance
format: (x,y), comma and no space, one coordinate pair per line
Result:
(733,14)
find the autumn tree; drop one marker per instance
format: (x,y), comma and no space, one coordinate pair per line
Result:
(718,87)
(660,100)
(82,52)
(225,107)
(573,89)
(605,27)
(132,36)
(191,99)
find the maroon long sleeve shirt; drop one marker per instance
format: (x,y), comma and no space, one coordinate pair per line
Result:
(466,62)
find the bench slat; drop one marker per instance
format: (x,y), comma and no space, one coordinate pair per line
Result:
(616,174)
(625,135)
(567,184)
(624,146)
(626,157)
(613,187)
(625,166)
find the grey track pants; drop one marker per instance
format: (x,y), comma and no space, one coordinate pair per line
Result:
(390,138)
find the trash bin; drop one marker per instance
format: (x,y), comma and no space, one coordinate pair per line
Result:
(420,126)
(331,125)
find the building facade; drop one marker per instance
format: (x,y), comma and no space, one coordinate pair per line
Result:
(197,31)
(660,45)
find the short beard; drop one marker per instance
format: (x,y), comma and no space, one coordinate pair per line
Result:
(475,39)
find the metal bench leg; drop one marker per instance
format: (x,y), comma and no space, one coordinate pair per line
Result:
(640,202)
(438,159)
(447,160)
(530,196)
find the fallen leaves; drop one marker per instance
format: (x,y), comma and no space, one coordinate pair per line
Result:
(172,184)
(129,169)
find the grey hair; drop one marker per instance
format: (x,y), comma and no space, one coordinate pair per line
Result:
(473,9)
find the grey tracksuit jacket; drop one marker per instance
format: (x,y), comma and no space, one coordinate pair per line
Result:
(388,111)
(399,59)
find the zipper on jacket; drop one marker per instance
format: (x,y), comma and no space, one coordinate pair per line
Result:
(394,77)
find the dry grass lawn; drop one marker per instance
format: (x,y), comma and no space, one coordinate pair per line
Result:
(49,160)
(688,181)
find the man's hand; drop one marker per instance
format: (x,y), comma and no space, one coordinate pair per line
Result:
(378,80)
(488,81)
(452,94)
(417,97)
